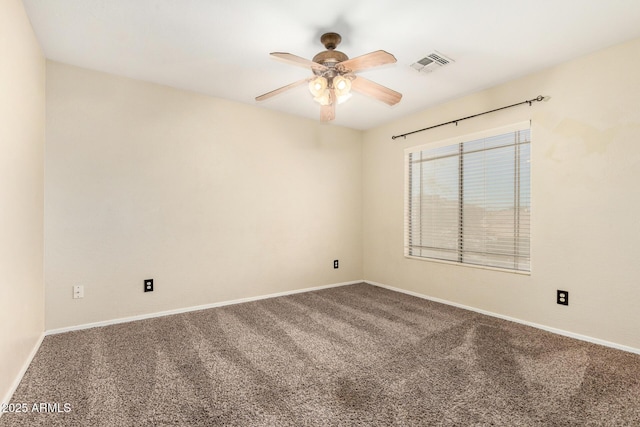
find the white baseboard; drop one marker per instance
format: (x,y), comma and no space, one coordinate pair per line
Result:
(16,382)
(513,319)
(194,308)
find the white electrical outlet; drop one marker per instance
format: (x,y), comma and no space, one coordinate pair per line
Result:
(78,291)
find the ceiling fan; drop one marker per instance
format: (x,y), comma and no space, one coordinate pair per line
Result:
(334,76)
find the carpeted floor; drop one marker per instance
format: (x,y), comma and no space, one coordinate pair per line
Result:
(353,355)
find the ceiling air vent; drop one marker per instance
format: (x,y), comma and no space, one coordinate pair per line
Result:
(431,62)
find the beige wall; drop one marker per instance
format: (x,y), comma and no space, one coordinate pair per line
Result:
(22,119)
(215,200)
(586,203)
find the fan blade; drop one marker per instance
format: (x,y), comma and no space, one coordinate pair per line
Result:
(328,112)
(296,60)
(280,90)
(375,90)
(368,60)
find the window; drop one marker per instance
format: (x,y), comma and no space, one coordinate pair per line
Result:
(468,201)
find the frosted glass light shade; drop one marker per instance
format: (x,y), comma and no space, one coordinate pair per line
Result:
(342,86)
(318,86)
(324,98)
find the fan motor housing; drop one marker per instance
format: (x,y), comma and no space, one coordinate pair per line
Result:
(330,56)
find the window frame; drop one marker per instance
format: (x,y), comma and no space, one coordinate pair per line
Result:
(526,125)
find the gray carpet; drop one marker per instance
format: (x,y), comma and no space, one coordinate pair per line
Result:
(354,355)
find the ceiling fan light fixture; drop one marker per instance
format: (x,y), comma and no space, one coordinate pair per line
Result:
(324,98)
(343,98)
(318,86)
(342,86)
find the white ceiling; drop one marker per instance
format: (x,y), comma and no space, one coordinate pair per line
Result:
(221,47)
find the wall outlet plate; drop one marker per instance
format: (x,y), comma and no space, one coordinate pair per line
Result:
(562,297)
(78,291)
(148,285)
(335,263)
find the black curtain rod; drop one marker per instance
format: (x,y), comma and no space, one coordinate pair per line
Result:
(536,99)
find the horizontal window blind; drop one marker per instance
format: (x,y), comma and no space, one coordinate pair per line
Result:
(470,202)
